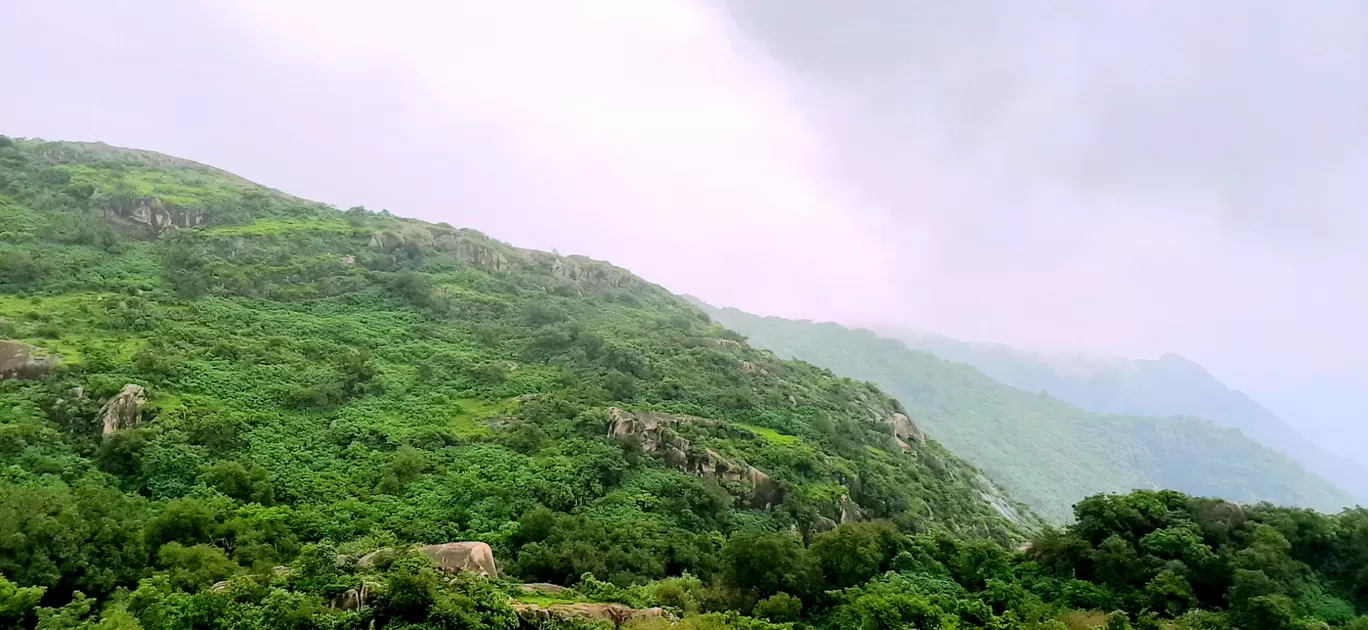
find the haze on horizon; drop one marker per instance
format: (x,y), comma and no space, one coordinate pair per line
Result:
(1110,178)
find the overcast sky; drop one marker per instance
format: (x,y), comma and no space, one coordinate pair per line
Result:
(1130,178)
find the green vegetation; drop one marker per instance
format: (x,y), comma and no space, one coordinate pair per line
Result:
(1168,386)
(1045,451)
(319,385)
(317,377)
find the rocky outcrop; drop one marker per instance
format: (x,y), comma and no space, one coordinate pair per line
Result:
(542,587)
(657,433)
(904,428)
(467,246)
(124,410)
(154,215)
(463,557)
(616,614)
(850,511)
(457,557)
(587,271)
(353,598)
(654,430)
(17,361)
(767,493)
(997,498)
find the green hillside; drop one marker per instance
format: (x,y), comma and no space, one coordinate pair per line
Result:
(225,408)
(314,375)
(1047,452)
(1168,386)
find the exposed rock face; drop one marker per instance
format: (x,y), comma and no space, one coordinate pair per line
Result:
(850,512)
(767,492)
(543,587)
(467,246)
(457,557)
(657,434)
(617,614)
(655,430)
(154,215)
(353,599)
(588,271)
(124,410)
(17,361)
(463,557)
(903,428)
(995,497)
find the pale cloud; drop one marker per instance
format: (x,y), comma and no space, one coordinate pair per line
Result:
(669,145)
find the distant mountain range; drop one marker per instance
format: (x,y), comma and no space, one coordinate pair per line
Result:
(1046,451)
(1168,386)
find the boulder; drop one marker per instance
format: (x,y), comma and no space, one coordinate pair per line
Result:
(463,557)
(904,427)
(543,587)
(617,614)
(767,493)
(17,361)
(456,557)
(124,410)
(353,598)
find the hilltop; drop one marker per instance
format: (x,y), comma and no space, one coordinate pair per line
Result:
(1046,451)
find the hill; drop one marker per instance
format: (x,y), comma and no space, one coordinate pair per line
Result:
(1168,386)
(207,376)
(1046,451)
(225,408)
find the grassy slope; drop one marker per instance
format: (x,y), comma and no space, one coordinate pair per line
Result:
(360,377)
(1048,453)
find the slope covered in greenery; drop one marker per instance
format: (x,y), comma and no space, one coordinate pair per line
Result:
(1047,452)
(1168,386)
(245,377)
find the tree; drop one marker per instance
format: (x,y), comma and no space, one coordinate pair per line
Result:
(16,602)
(767,563)
(195,567)
(854,553)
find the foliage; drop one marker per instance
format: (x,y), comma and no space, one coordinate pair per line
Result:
(323,384)
(319,379)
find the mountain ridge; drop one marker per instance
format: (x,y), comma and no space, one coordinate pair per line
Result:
(1044,450)
(1169,385)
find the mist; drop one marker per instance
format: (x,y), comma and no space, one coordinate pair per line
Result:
(1124,179)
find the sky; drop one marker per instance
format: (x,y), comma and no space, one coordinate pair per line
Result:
(1122,178)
